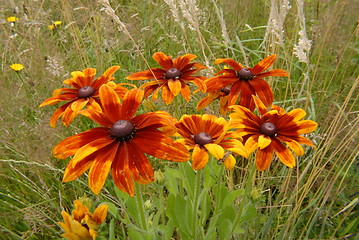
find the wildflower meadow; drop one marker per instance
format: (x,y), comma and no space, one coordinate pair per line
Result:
(179,119)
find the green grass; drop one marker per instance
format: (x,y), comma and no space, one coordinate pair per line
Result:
(301,203)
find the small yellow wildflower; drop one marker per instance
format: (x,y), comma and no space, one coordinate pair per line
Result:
(12,19)
(55,24)
(16,67)
(82,224)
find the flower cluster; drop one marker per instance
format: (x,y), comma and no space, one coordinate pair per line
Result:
(123,138)
(83,224)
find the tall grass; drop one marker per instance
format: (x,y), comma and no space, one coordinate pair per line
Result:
(315,200)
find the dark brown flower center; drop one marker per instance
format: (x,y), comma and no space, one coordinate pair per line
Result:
(203,138)
(268,129)
(245,74)
(86,92)
(172,73)
(226,90)
(122,130)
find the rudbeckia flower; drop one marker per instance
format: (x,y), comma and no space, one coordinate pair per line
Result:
(206,134)
(274,131)
(120,143)
(84,92)
(172,78)
(82,224)
(17,67)
(244,82)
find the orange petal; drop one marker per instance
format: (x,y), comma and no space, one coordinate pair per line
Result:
(186,92)
(167,95)
(99,215)
(241,112)
(199,158)
(58,113)
(101,166)
(131,102)
(68,116)
(106,77)
(98,117)
(246,96)
(111,103)
(163,60)
(79,104)
(264,158)
(263,91)
(260,106)
(182,61)
(233,64)
(153,73)
(274,72)
(73,171)
(120,172)
(263,65)
(292,116)
(283,153)
(174,86)
(298,128)
(70,145)
(157,144)
(140,164)
(92,147)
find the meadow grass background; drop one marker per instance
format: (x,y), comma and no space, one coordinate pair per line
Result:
(315,200)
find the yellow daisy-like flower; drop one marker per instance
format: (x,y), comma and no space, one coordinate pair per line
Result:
(82,224)
(17,67)
(268,132)
(209,134)
(12,19)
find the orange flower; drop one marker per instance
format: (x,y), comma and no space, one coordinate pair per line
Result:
(243,82)
(222,94)
(207,133)
(268,132)
(83,224)
(120,144)
(172,79)
(84,93)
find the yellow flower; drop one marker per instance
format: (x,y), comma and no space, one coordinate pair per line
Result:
(16,67)
(82,224)
(12,19)
(55,24)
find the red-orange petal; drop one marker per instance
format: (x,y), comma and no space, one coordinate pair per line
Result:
(70,145)
(283,153)
(264,158)
(140,164)
(263,64)
(233,64)
(186,92)
(274,73)
(58,113)
(73,171)
(263,91)
(131,102)
(106,77)
(199,158)
(182,61)
(101,166)
(153,73)
(121,174)
(163,60)
(59,98)
(161,146)
(111,103)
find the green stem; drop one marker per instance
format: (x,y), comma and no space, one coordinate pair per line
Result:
(245,196)
(140,207)
(196,194)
